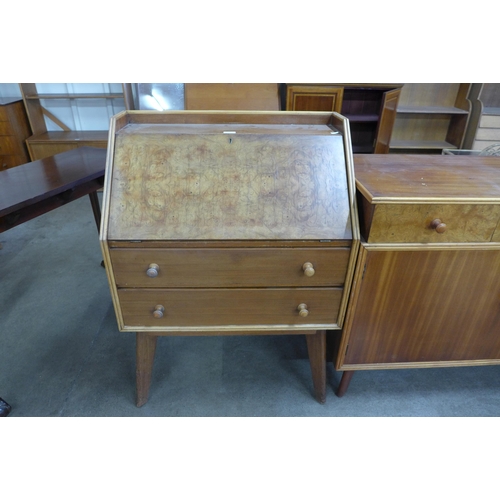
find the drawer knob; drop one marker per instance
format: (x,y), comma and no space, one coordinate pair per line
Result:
(438,225)
(308,269)
(158,312)
(153,270)
(302,308)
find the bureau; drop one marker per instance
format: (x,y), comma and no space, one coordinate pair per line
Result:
(218,223)
(426,291)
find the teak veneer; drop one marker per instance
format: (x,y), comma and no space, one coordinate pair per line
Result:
(426,289)
(223,223)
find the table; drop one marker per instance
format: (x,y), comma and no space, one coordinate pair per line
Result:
(35,188)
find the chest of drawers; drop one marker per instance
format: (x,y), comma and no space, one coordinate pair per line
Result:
(426,291)
(229,223)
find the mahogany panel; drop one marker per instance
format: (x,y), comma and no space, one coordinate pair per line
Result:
(427,306)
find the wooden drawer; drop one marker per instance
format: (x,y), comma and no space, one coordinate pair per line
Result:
(237,307)
(9,161)
(229,267)
(412,223)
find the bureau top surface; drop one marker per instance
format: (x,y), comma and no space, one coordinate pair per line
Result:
(399,178)
(228,182)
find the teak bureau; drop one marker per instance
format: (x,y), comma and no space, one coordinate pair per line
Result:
(426,291)
(229,223)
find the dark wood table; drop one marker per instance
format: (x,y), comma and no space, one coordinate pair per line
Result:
(35,188)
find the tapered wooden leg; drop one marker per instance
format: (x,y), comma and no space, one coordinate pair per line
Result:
(96,208)
(316,347)
(145,355)
(344,383)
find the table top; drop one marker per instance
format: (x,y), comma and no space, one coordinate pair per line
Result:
(401,178)
(32,182)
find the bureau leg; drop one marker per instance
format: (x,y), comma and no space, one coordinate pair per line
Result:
(145,355)
(344,383)
(316,347)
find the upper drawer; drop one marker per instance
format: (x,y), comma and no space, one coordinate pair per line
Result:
(433,223)
(229,267)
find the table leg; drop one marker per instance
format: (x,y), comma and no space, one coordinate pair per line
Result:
(316,347)
(96,208)
(145,355)
(344,383)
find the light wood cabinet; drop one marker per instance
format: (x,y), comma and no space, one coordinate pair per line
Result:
(45,142)
(426,289)
(484,125)
(229,223)
(431,117)
(14,130)
(370,108)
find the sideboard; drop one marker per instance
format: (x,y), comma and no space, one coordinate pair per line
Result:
(426,291)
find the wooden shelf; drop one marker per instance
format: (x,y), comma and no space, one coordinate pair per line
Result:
(441,110)
(45,142)
(73,96)
(431,116)
(422,145)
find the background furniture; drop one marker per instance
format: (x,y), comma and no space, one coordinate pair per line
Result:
(30,190)
(14,130)
(426,289)
(484,124)
(370,108)
(51,132)
(431,117)
(229,223)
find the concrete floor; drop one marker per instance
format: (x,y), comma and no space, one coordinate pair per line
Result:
(62,354)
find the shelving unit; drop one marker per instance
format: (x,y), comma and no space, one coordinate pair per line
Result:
(431,117)
(484,125)
(370,108)
(64,120)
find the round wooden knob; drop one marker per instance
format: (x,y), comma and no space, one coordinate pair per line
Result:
(158,312)
(302,308)
(153,270)
(308,269)
(438,225)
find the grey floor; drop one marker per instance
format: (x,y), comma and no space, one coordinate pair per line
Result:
(62,355)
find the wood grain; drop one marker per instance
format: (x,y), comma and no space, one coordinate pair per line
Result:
(229,267)
(223,307)
(426,306)
(220,187)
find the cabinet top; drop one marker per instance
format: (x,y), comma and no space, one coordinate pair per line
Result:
(399,178)
(228,181)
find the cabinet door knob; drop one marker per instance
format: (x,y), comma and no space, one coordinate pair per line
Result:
(308,269)
(438,225)
(302,308)
(153,270)
(158,312)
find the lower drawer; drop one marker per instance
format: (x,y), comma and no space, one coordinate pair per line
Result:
(238,307)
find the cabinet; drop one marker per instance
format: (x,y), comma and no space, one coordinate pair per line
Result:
(426,290)
(52,134)
(14,130)
(484,125)
(370,108)
(431,117)
(229,223)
